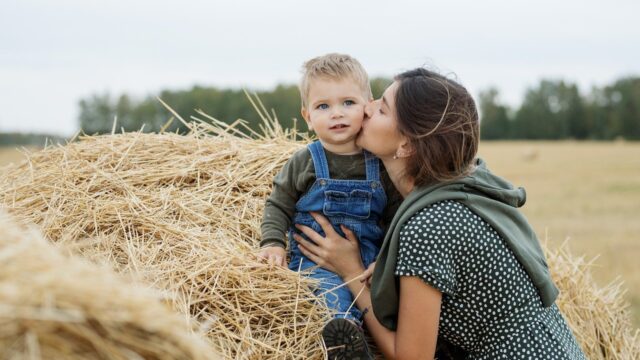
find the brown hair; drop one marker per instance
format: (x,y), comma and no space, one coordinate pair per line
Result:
(335,67)
(440,119)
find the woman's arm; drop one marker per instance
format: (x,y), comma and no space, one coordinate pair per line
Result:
(419,311)
(418,319)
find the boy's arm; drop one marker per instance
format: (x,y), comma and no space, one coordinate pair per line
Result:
(292,180)
(278,210)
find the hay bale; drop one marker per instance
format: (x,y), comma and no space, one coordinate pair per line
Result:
(183,214)
(56,307)
(599,316)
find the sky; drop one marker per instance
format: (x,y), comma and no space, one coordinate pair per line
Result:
(53,53)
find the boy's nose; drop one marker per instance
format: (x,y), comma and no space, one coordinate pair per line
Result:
(336,114)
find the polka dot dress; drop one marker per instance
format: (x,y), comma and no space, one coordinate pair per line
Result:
(490,307)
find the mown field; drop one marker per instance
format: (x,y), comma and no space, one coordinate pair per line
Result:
(587,194)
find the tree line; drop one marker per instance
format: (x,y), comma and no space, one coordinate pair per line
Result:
(98,111)
(550,110)
(555,110)
(12,139)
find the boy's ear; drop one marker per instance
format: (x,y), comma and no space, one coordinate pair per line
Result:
(305,116)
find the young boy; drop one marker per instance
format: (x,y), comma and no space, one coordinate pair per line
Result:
(334,177)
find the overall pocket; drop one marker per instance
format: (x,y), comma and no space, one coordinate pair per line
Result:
(356,204)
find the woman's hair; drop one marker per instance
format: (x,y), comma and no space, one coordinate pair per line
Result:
(440,119)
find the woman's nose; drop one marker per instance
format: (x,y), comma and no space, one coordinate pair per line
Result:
(368,108)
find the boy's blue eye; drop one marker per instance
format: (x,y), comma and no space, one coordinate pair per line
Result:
(323,107)
(349,102)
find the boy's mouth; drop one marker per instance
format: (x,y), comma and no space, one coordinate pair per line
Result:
(338,126)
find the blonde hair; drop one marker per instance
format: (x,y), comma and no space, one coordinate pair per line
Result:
(335,67)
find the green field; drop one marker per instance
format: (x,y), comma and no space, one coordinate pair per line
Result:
(587,194)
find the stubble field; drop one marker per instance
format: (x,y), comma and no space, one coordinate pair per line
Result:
(587,194)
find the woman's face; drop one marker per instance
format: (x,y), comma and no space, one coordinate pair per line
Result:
(379,134)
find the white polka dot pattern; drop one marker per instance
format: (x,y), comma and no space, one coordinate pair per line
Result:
(490,307)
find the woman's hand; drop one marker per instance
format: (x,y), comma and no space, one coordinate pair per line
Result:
(366,276)
(332,252)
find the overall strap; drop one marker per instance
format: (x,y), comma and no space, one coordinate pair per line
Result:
(319,160)
(372,164)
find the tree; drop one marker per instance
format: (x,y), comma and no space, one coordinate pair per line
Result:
(622,104)
(378,85)
(96,114)
(553,110)
(494,119)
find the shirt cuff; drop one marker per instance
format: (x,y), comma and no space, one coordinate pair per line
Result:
(272,242)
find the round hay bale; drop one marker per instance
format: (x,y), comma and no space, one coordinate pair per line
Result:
(53,306)
(599,316)
(183,214)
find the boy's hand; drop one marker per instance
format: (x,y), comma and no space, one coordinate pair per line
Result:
(274,255)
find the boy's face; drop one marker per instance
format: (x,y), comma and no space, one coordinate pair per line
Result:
(335,110)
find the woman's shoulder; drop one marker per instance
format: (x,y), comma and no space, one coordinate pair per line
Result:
(427,224)
(452,228)
(442,224)
(433,216)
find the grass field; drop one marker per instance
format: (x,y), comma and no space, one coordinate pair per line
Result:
(585,193)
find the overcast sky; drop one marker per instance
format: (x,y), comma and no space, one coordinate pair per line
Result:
(52,53)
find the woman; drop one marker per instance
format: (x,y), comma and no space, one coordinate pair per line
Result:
(459,261)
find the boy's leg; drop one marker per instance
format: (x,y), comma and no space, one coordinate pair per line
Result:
(343,336)
(336,294)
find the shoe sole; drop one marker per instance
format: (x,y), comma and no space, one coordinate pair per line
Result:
(345,341)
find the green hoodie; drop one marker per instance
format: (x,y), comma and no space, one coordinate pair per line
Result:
(490,197)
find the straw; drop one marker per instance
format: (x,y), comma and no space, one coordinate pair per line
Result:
(54,306)
(182,214)
(599,316)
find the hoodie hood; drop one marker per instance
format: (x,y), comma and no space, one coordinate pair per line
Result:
(482,182)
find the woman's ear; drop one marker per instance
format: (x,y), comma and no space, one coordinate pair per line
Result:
(404,149)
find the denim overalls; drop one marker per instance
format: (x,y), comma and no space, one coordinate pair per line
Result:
(357,204)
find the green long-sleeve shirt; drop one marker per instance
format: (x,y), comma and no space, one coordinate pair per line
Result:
(298,175)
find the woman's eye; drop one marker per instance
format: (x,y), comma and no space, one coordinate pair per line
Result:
(323,106)
(349,102)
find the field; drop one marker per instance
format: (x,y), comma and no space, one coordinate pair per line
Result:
(10,155)
(587,194)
